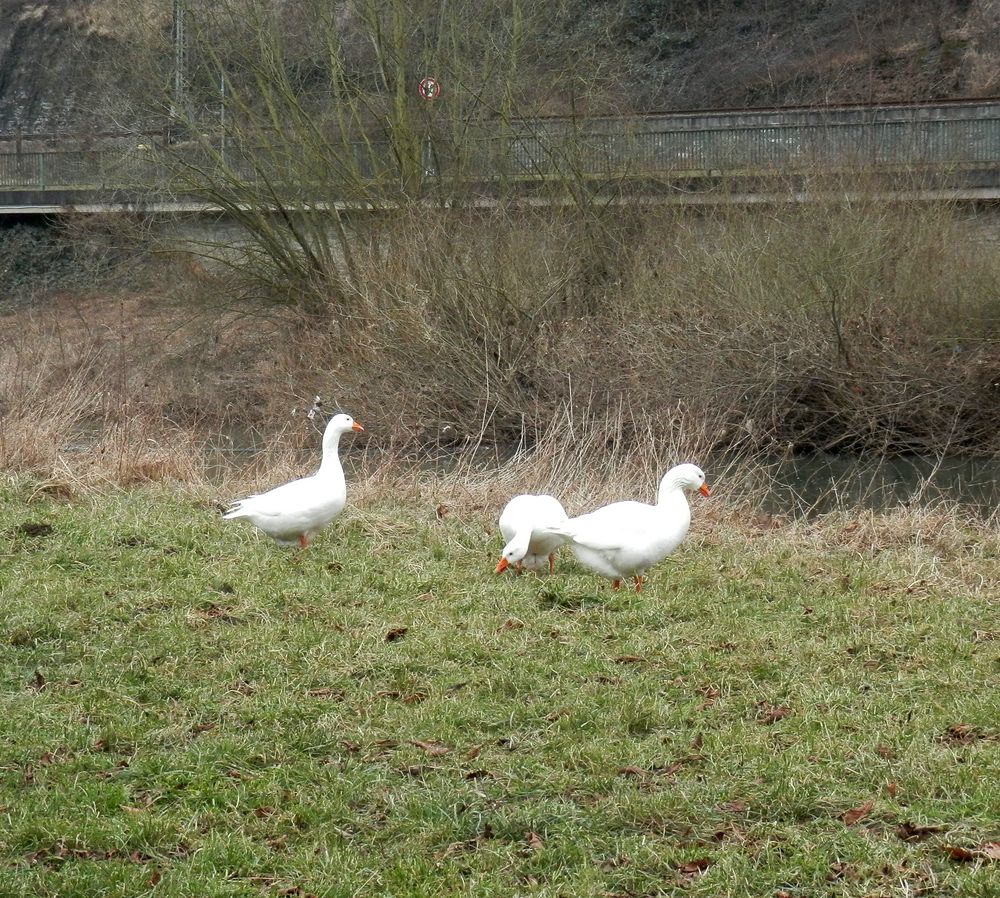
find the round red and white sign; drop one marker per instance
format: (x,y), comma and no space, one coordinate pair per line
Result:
(429,89)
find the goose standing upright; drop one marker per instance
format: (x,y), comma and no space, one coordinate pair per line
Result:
(625,539)
(295,512)
(521,523)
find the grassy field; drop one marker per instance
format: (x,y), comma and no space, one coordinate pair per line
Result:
(188,710)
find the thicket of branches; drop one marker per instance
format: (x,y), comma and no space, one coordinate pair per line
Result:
(846,325)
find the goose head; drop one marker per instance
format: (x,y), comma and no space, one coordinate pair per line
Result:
(337,425)
(342,423)
(515,550)
(682,477)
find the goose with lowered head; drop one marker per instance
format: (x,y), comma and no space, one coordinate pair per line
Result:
(293,513)
(521,525)
(625,539)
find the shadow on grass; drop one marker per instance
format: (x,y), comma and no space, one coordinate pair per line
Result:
(558,596)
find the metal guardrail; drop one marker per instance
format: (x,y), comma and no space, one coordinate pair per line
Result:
(944,136)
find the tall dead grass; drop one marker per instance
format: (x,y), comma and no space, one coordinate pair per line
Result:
(579,350)
(855,326)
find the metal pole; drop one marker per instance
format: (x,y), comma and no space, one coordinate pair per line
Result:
(180,62)
(222,116)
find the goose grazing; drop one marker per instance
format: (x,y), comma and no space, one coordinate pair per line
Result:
(295,512)
(625,539)
(520,525)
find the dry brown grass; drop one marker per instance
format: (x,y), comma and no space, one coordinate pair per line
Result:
(587,351)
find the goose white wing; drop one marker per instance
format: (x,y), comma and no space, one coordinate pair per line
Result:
(531,513)
(611,528)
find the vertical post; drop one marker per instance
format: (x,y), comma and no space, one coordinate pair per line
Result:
(222,116)
(179,104)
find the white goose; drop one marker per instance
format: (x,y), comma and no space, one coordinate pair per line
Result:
(295,512)
(625,539)
(520,524)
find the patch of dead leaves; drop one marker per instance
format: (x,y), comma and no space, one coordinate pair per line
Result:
(964,734)
(988,851)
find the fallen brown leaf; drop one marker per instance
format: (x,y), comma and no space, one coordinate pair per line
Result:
(883,751)
(37,681)
(734,806)
(631,770)
(473,753)
(534,841)
(629,659)
(964,733)
(396,633)
(852,816)
(914,832)
(768,713)
(441,511)
(434,749)
(842,870)
(960,853)
(990,850)
(690,868)
(512,623)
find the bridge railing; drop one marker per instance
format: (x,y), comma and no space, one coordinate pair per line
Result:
(668,146)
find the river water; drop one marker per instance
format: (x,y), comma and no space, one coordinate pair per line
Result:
(795,485)
(818,483)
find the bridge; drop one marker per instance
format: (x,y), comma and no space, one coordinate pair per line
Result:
(934,151)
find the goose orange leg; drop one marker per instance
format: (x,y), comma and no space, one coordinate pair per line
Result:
(552,563)
(616,583)
(303,542)
(638,583)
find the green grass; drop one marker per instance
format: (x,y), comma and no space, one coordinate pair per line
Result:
(187,710)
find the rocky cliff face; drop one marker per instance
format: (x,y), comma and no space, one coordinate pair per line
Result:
(60,66)
(781,52)
(61,60)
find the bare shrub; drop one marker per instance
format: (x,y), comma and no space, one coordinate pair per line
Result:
(848,325)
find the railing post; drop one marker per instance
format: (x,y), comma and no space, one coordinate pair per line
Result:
(41,171)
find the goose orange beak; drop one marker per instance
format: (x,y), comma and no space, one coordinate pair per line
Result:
(356,426)
(502,566)
(703,489)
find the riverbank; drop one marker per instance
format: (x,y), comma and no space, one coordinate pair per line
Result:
(639,335)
